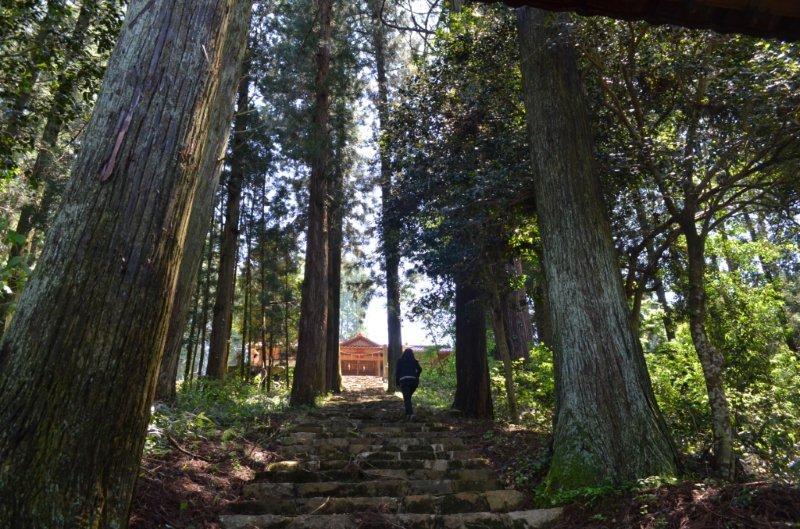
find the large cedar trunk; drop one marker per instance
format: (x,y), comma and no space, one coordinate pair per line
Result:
(333,377)
(41,174)
(201,216)
(388,226)
(711,359)
(473,395)
(309,377)
(223,305)
(608,427)
(78,363)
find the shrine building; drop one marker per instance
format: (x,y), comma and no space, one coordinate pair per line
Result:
(361,356)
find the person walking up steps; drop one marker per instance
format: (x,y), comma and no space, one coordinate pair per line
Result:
(407,378)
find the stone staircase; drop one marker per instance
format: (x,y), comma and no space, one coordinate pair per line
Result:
(356,463)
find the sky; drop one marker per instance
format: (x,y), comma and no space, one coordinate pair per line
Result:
(375,325)
(376,330)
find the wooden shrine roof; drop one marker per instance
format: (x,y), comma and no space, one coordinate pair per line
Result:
(360,341)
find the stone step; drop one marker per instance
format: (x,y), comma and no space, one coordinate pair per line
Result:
(355,473)
(374,453)
(265,491)
(300,437)
(344,442)
(512,520)
(462,502)
(414,464)
(372,429)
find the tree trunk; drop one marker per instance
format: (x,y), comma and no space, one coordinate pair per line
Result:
(246,310)
(223,305)
(206,296)
(41,173)
(473,395)
(711,360)
(501,343)
(190,346)
(608,427)
(309,377)
(388,225)
(198,226)
(78,363)
(541,312)
(333,377)
(516,318)
(669,320)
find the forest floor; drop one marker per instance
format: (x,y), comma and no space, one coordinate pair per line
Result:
(193,479)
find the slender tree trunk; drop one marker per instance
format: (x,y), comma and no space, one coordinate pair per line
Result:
(75,400)
(41,174)
(246,310)
(608,427)
(269,353)
(190,346)
(287,345)
(223,305)
(206,296)
(309,377)
(333,377)
(473,395)
(388,226)
(542,313)
(711,359)
(501,343)
(669,319)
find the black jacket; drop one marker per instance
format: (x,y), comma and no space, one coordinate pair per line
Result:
(407,366)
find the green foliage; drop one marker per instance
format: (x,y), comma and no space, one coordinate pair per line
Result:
(535,388)
(207,408)
(533,379)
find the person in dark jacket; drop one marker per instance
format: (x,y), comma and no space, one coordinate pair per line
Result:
(407,378)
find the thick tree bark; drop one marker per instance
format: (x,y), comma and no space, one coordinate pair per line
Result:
(711,359)
(223,304)
(201,216)
(309,377)
(608,427)
(78,364)
(388,226)
(473,395)
(41,173)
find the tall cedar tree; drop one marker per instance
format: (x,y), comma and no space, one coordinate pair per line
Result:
(223,305)
(473,395)
(390,237)
(333,376)
(78,363)
(608,427)
(309,379)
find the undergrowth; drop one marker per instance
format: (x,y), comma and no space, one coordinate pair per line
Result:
(207,409)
